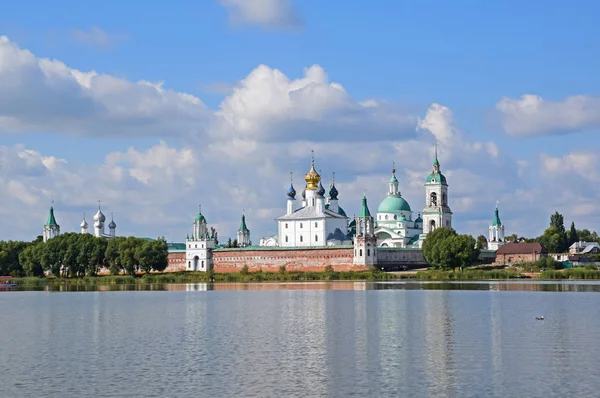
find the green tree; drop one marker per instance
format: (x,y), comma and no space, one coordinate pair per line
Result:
(482,242)
(573,235)
(557,222)
(431,251)
(229,243)
(112,257)
(143,256)
(30,260)
(127,258)
(445,249)
(160,255)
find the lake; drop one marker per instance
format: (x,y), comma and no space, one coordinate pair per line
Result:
(428,339)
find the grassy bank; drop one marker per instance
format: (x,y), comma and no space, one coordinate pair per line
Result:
(203,277)
(571,273)
(467,275)
(242,277)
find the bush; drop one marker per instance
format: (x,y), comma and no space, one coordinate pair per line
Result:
(328,269)
(282,269)
(244,270)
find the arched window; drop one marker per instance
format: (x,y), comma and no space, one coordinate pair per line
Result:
(395,217)
(386,217)
(286,225)
(202,246)
(202,263)
(433,199)
(444,199)
(431,225)
(189,264)
(286,238)
(316,238)
(368,252)
(316,224)
(300,225)
(360,251)
(195,246)
(301,238)
(313,201)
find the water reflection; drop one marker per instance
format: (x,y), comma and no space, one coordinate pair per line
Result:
(534,286)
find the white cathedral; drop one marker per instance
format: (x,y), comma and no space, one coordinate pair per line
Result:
(52,229)
(320,221)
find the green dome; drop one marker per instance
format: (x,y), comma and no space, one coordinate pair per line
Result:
(393,204)
(200,218)
(436,177)
(340,211)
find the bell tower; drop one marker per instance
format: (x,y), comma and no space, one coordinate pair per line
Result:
(437,212)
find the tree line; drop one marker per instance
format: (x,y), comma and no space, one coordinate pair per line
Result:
(75,255)
(555,238)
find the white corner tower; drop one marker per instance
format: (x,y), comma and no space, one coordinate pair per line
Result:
(365,241)
(437,213)
(496,236)
(243,234)
(51,228)
(198,252)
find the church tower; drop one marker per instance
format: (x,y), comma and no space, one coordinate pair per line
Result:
(365,241)
(51,228)
(437,213)
(496,236)
(83,226)
(99,219)
(198,250)
(243,235)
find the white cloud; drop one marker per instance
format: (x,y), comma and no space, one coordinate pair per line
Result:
(239,156)
(96,37)
(39,94)
(264,13)
(532,115)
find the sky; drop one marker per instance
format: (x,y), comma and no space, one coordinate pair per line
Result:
(155,110)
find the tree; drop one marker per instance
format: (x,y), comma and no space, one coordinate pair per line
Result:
(112,256)
(431,251)
(482,242)
(573,235)
(557,222)
(229,243)
(445,249)
(235,243)
(511,238)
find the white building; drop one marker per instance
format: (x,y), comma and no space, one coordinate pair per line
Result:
(198,248)
(316,223)
(99,225)
(51,228)
(437,213)
(395,225)
(496,232)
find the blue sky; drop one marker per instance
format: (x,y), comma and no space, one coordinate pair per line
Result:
(534,154)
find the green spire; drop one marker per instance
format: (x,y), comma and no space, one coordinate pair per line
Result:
(436,162)
(496,222)
(200,217)
(393,180)
(243,227)
(364,211)
(51,222)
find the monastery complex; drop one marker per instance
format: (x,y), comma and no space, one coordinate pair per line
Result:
(315,232)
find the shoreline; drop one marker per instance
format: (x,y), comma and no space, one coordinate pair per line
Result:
(261,277)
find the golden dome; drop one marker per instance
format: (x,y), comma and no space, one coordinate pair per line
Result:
(312,178)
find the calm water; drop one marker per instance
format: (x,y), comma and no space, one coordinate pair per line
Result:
(351,339)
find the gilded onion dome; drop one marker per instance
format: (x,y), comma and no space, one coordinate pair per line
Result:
(312,178)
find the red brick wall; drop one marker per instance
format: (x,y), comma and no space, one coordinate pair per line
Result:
(294,260)
(176,262)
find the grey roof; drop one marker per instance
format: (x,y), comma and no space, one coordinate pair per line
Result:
(580,244)
(310,212)
(589,247)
